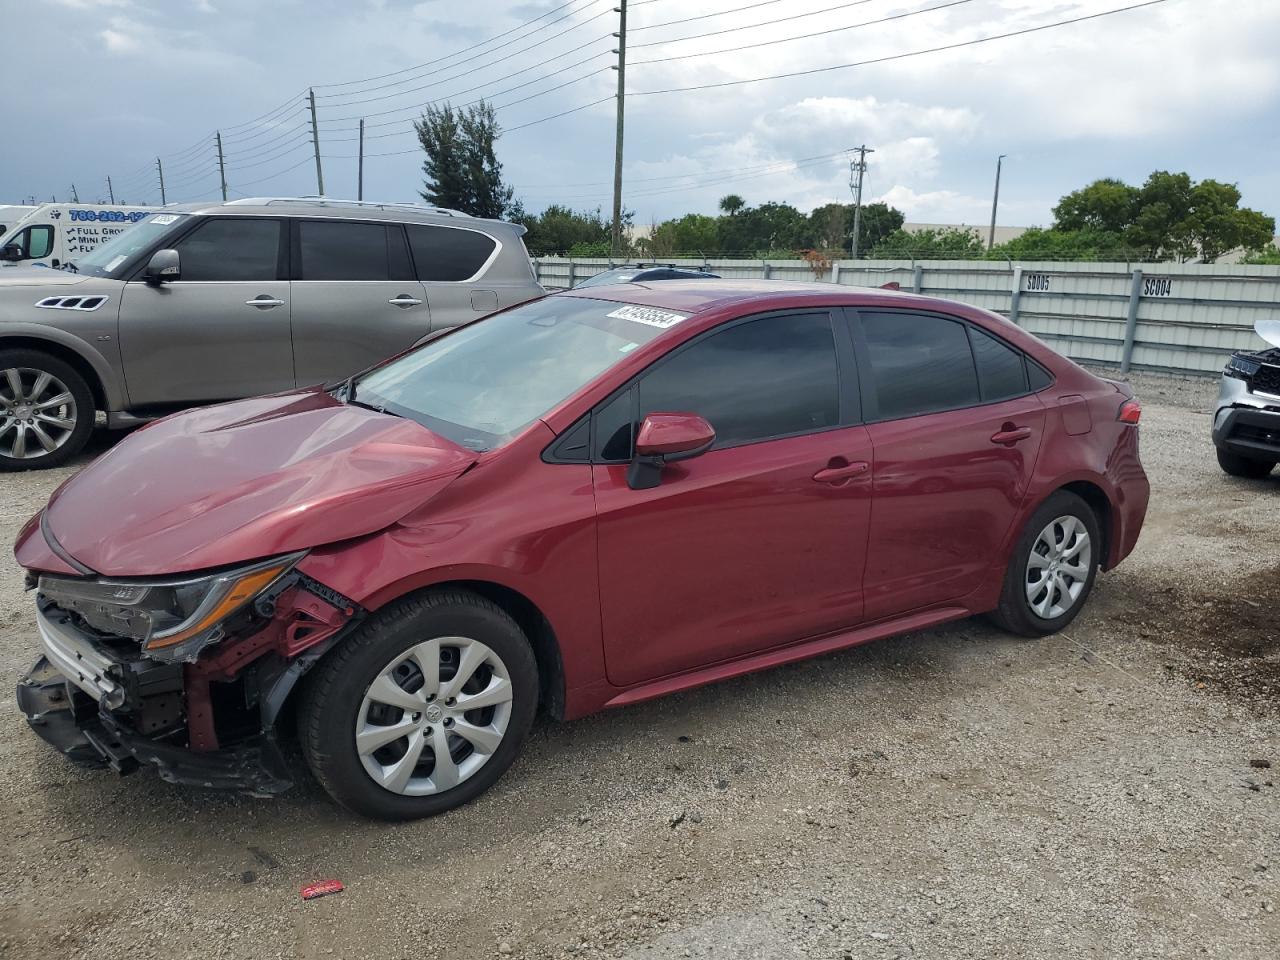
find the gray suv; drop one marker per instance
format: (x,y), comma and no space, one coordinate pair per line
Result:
(1246,425)
(206,303)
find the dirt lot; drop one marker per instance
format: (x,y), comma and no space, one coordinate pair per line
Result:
(955,793)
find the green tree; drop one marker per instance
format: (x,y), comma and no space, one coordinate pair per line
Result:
(1106,205)
(1039,243)
(694,234)
(1216,223)
(732,203)
(461,170)
(1270,254)
(930,244)
(831,226)
(769,229)
(560,231)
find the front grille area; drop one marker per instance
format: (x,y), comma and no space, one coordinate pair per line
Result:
(1266,380)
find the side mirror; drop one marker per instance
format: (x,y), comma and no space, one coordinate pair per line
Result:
(163,267)
(12,253)
(667,438)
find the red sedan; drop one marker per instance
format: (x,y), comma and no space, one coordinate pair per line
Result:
(582,502)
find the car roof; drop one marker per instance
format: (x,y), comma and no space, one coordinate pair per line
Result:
(700,296)
(320,207)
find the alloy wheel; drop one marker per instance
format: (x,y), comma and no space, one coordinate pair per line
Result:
(1058,567)
(433,716)
(37,413)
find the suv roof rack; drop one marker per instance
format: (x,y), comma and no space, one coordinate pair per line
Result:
(329,202)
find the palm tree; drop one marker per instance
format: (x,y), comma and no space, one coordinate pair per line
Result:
(732,203)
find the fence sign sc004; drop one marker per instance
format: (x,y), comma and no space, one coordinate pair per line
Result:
(1157,286)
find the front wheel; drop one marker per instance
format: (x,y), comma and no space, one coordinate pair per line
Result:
(1238,466)
(46,411)
(1052,569)
(422,709)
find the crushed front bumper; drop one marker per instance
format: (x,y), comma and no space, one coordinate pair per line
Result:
(88,703)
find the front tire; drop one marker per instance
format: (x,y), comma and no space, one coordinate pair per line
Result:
(46,411)
(422,709)
(1238,466)
(1052,568)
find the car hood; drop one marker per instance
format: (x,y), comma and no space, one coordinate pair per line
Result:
(245,480)
(18,276)
(1269,330)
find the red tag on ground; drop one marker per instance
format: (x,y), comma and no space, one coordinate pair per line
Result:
(321,889)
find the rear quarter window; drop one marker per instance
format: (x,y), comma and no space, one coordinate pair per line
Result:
(449,254)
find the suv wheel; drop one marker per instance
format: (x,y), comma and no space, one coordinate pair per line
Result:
(421,709)
(46,411)
(1052,569)
(1239,466)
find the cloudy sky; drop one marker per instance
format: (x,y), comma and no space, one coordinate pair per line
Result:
(101,87)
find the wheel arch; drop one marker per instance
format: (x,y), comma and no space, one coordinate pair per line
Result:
(1100,503)
(96,373)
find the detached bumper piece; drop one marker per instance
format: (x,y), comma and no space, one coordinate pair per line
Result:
(1251,433)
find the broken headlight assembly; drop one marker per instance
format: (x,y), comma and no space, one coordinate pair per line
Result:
(173,619)
(1241,366)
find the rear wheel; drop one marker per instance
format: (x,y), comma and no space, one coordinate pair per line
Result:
(1239,466)
(46,411)
(1052,569)
(422,709)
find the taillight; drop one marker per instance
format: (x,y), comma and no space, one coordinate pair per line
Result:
(1130,411)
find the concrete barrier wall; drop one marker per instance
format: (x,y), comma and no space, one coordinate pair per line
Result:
(1176,318)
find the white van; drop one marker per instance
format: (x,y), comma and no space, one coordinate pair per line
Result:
(55,233)
(11,213)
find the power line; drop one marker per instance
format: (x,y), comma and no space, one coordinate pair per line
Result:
(806,36)
(898,56)
(753,26)
(705,16)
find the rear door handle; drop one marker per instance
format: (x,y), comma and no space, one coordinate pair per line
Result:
(1011,435)
(837,474)
(264,302)
(404,300)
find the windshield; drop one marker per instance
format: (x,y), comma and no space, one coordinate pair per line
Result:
(108,258)
(481,385)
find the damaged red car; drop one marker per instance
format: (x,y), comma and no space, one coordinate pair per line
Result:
(581,502)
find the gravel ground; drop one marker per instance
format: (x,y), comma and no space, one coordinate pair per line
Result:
(953,793)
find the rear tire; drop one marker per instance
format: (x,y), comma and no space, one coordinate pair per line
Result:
(1239,466)
(46,411)
(1052,568)
(379,710)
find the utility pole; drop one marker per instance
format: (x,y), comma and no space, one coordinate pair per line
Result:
(111,191)
(621,10)
(360,167)
(315,139)
(222,168)
(857,169)
(995,202)
(75,197)
(160,170)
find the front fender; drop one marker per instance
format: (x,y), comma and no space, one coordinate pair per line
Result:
(32,334)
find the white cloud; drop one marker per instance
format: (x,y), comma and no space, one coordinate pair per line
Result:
(119,38)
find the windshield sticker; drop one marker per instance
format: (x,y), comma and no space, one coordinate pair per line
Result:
(628,348)
(649,316)
(115,262)
(164,218)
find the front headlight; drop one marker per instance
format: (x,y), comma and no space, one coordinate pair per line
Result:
(1241,367)
(173,619)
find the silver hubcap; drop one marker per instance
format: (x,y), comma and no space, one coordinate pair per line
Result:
(37,413)
(1058,568)
(434,716)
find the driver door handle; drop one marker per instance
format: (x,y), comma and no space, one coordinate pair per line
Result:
(264,302)
(404,300)
(840,473)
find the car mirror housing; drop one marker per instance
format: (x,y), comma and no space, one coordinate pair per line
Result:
(667,438)
(164,266)
(12,253)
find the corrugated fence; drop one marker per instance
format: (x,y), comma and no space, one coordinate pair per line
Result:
(1176,318)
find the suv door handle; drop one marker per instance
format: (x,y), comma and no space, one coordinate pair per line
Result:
(404,300)
(1009,435)
(264,302)
(838,472)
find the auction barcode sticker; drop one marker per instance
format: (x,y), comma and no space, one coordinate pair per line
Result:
(164,219)
(649,316)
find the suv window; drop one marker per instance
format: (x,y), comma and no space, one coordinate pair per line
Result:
(1001,371)
(35,242)
(226,249)
(772,377)
(448,253)
(343,250)
(919,364)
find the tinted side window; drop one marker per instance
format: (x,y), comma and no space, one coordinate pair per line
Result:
(615,428)
(342,250)
(1001,373)
(34,242)
(446,253)
(229,250)
(767,378)
(1038,376)
(919,364)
